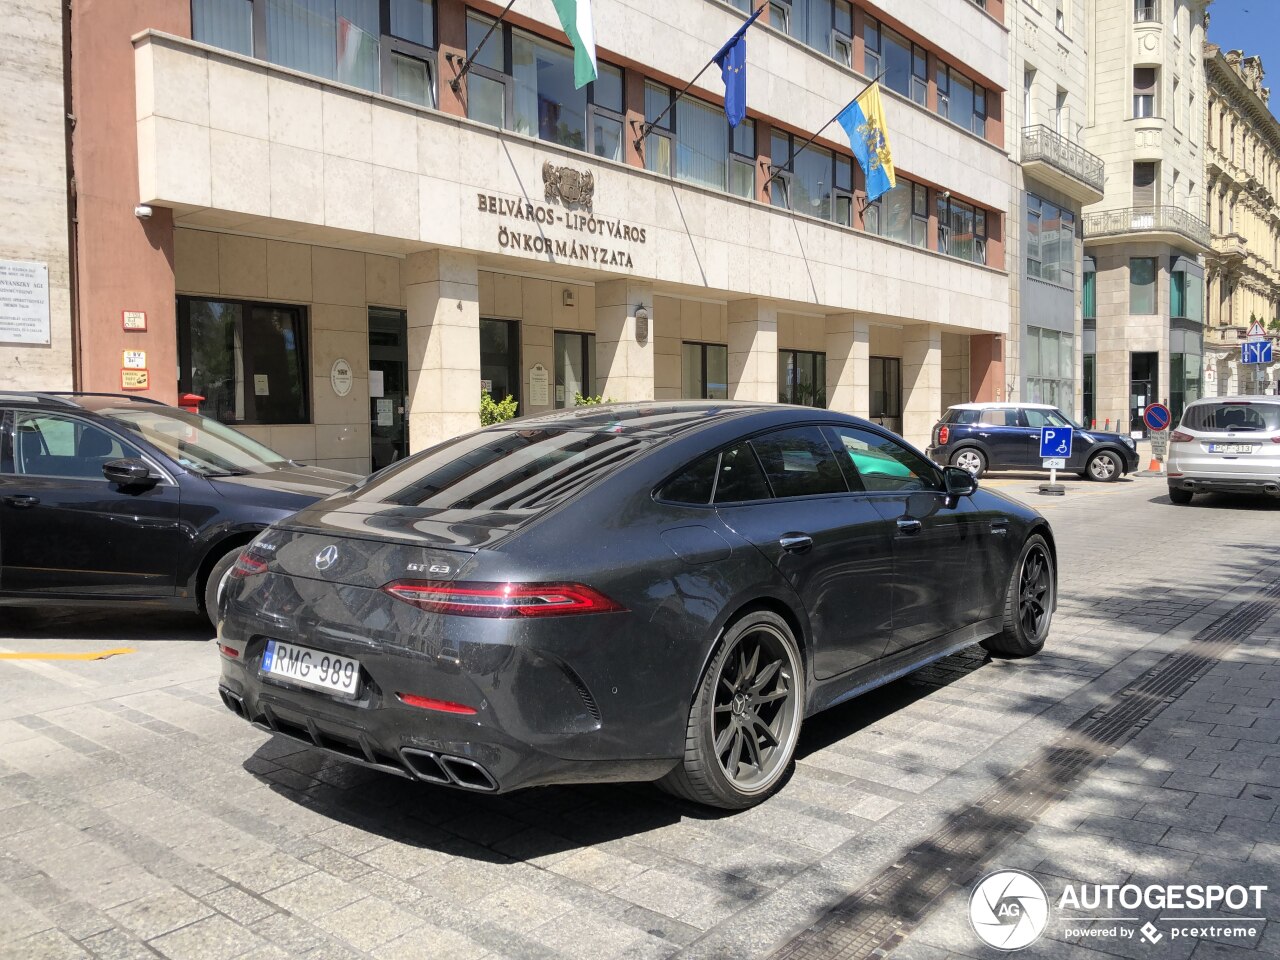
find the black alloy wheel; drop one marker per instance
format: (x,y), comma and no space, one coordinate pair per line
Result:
(745,720)
(1029,602)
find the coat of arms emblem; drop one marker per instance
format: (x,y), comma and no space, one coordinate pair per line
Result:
(568,185)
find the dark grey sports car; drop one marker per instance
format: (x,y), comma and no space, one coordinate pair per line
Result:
(657,591)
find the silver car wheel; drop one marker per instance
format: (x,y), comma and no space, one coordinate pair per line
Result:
(1102,467)
(970,460)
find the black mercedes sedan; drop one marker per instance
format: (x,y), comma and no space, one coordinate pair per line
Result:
(106,498)
(658,591)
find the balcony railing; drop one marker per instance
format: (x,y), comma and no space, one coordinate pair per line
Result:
(1157,219)
(1146,11)
(1041,143)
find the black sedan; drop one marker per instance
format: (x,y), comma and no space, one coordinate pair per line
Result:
(106,498)
(627,592)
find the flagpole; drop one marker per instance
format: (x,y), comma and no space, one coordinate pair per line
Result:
(456,83)
(644,131)
(795,153)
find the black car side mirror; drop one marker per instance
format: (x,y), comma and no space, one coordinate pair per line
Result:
(129,472)
(959,482)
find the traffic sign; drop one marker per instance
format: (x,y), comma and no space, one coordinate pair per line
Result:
(1256,332)
(1259,352)
(1156,417)
(1055,442)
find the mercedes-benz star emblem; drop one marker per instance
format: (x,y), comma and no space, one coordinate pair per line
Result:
(1008,910)
(327,557)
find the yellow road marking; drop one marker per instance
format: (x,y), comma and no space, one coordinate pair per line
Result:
(95,655)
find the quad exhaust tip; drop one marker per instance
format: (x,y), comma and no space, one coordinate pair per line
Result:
(441,768)
(233,702)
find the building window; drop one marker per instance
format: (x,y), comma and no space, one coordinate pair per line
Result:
(1089,370)
(962,230)
(1060,19)
(524,83)
(388,46)
(1186,293)
(1049,363)
(500,359)
(885,393)
(905,64)
(1142,285)
(820,185)
(1144,183)
(1186,363)
(901,214)
(575,367)
(964,102)
(704,371)
(248,360)
(1051,233)
(823,25)
(1177,104)
(1146,11)
(1090,295)
(802,378)
(1144,92)
(692,143)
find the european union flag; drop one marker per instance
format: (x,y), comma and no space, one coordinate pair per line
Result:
(863,122)
(732,60)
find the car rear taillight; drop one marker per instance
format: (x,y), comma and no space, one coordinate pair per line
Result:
(430,703)
(1179,437)
(944,434)
(502,600)
(247,565)
(227,651)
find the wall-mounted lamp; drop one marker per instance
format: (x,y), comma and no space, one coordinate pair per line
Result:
(568,297)
(142,211)
(642,324)
(945,195)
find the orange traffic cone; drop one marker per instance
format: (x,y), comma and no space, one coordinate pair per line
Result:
(1155,466)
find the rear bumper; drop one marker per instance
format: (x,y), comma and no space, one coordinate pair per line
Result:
(1263,486)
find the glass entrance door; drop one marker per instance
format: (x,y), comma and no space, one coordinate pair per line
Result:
(1144,384)
(388,386)
(500,359)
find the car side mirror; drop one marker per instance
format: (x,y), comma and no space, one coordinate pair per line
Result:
(128,472)
(958,481)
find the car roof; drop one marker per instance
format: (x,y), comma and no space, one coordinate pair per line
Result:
(84,401)
(1238,398)
(654,418)
(995,404)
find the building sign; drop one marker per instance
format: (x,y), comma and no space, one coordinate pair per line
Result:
(539,386)
(24,301)
(563,235)
(134,380)
(134,321)
(134,360)
(341,377)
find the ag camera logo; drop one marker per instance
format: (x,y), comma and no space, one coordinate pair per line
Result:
(1008,910)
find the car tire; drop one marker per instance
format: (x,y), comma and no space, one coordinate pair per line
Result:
(1029,601)
(1179,496)
(756,664)
(212,586)
(971,459)
(1104,467)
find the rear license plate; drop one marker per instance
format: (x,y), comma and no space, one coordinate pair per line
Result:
(311,668)
(1233,448)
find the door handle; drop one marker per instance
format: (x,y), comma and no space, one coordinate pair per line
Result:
(22,501)
(909,528)
(795,542)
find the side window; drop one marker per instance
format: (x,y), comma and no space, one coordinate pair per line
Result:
(799,463)
(740,477)
(1044,418)
(883,464)
(1000,417)
(965,417)
(52,446)
(694,485)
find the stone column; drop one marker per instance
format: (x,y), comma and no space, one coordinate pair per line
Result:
(848,353)
(442,293)
(921,381)
(753,350)
(625,362)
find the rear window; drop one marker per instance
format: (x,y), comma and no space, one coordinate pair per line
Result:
(1211,417)
(961,417)
(504,470)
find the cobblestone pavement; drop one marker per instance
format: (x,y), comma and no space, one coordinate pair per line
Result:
(139,818)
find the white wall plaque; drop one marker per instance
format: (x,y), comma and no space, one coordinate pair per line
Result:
(134,359)
(24,301)
(340,377)
(539,386)
(261,385)
(377,386)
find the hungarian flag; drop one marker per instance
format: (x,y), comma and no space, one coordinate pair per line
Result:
(575,17)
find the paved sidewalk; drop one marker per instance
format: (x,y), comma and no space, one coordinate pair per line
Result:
(139,818)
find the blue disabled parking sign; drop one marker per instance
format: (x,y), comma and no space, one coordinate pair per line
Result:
(1055,442)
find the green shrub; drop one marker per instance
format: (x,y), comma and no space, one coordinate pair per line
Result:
(580,401)
(496,411)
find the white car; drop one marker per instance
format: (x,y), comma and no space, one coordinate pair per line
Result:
(1226,445)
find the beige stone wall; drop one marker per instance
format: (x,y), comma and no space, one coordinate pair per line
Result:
(676,321)
(33,182)
(955,370)
(337,287)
